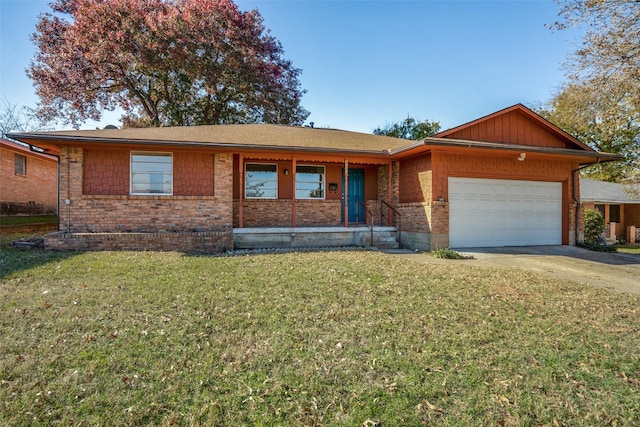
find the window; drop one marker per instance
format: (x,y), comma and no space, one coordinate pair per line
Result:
(152,173)
(260,181)
(21,164)
(309,182)
(614,213)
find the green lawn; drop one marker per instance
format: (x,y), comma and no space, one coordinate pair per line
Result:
(339,338)
(23,220)
(629,249)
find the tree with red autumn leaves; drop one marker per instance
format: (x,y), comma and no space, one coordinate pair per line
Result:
(164,62)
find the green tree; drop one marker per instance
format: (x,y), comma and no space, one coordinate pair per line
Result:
(605,69)
(604,119)
(409,128)
(610,50)
(164,62)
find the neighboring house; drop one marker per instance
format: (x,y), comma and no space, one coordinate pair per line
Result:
(509,178)
(28,180)
(619,205)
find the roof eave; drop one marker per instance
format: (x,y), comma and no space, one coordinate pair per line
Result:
(600,157)
(220,145)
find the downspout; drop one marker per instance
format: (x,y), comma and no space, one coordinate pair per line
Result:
(58,197)
(68,199)
(576,199)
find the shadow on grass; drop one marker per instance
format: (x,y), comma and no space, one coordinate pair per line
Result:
(14,260)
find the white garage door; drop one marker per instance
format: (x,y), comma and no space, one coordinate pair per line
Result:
(498,212)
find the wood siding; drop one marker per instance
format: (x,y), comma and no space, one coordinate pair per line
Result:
(513,127)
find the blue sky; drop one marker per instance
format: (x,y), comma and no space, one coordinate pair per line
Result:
(366,63)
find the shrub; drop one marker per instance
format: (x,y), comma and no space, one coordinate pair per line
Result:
(593,226)
(447,253)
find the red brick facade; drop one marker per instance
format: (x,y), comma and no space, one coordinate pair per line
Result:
(94,208)
(424,187)
(208,201)
(279,213)
(34,192)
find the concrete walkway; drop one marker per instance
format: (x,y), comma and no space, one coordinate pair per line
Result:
(617,271)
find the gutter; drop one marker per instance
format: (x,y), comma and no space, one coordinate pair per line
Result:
(226,146)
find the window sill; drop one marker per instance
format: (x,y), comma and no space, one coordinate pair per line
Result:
(139,197)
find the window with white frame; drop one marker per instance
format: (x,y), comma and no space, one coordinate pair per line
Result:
(151,173)
(310,182)
(21,164)
(260,181)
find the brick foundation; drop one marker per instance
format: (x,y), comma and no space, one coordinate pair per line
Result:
(200,242)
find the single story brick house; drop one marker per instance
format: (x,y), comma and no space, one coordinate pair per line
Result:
(28,180)
(619,205)
(507,179)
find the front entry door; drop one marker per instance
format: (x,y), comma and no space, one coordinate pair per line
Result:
(355,195)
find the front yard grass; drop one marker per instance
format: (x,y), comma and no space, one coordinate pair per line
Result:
(337,338)
(629,249)
(27,219)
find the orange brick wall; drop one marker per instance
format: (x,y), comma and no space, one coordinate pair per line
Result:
(123,213)
(106,172)
(263,213)
(38,186)
(415,176)
(278,213)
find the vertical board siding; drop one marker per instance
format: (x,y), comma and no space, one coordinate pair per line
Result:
(512,128)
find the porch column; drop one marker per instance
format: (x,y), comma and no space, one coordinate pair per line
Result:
(345,190)
(293,201)
(389,195)
(241,199)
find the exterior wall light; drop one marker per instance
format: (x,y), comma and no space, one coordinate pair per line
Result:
(522,156)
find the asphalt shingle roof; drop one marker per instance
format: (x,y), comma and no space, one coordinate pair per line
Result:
(254,135)
(592,190)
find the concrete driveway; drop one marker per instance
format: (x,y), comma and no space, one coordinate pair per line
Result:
(617,271)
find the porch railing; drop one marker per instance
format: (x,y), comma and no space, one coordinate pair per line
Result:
(389,218)
(366,213)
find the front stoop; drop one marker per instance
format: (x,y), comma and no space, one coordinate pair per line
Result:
(314,237)
(387,239)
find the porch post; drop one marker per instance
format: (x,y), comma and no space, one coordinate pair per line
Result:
(293,201)
(345,190)
(241,199)
(389,195)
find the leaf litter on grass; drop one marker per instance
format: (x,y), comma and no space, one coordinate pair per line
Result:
(327,338)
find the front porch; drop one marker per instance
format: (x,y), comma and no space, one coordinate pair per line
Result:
(316,237)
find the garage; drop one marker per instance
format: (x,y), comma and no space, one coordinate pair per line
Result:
(499,212)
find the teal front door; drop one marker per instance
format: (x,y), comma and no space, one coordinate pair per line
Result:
(355,194)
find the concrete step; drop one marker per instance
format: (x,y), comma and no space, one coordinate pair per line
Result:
(386,245)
